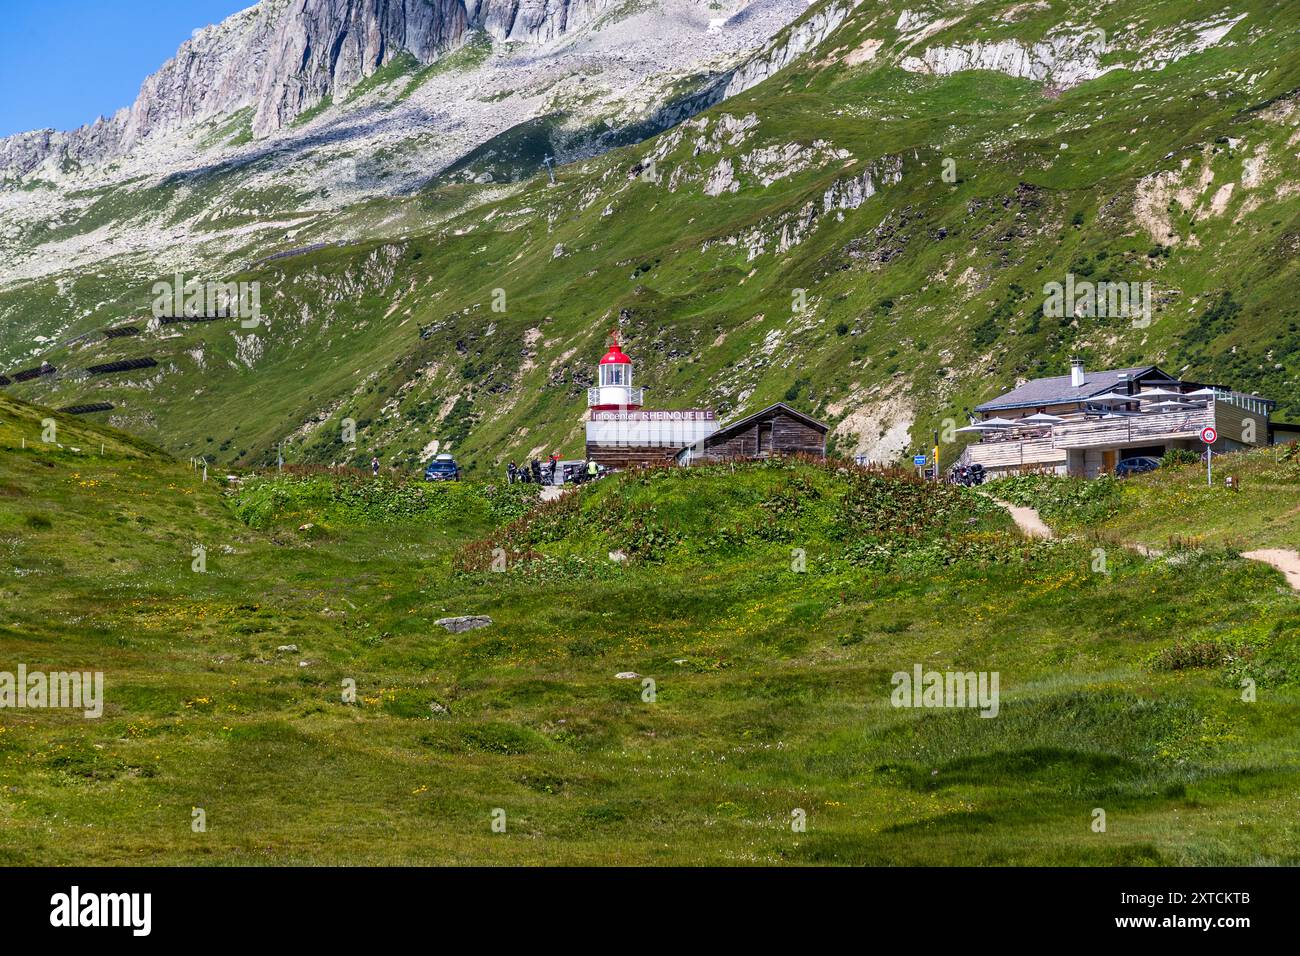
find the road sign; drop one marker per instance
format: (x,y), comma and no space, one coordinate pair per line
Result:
(920,461)
(1209,436)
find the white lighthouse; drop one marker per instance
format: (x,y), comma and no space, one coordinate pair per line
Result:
(615,393)
(621,433)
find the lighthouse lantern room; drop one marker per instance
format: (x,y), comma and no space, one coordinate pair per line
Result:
(615,391)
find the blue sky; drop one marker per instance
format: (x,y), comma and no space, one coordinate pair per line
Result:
(64,62)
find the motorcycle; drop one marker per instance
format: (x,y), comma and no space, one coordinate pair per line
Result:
(967,475)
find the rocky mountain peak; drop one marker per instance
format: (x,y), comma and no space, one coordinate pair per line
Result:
(282,57)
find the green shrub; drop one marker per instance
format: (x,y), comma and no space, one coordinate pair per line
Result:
(1272,662)
(840,512)
(361,499)
(1187,654)
(1065,499)
(1178,456)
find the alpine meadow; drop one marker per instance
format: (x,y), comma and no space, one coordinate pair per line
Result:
(745,433)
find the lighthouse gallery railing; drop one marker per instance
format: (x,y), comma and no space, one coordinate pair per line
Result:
(635,396)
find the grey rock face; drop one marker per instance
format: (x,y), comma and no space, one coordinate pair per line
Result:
(853,192)
(616,67)
(780,54)
(458,625)
(1067,59)
(326,47)
(282,57)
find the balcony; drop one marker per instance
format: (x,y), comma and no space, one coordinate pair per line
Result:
(1031,452)
(615,395)
(1049,447)
(1134,430)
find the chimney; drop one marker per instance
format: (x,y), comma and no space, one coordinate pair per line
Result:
(1076,372)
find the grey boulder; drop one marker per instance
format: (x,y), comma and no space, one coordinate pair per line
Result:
(458,625)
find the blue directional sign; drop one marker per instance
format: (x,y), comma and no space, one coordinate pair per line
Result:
(920,460)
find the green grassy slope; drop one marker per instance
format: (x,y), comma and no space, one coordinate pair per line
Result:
(771,686)
(922,301)
(25,425)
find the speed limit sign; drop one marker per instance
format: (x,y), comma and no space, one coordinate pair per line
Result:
(1209,436)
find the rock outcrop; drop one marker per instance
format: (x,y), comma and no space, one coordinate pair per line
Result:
(853,192)
(784,50)
(459,625)
(1066,56)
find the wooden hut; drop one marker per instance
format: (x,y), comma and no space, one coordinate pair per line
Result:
(776,430)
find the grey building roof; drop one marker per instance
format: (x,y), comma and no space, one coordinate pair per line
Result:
(1057,390)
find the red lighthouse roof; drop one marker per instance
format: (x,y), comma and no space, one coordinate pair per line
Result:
(615,356)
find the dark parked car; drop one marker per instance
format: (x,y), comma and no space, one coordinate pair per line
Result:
(442,468)
(1136,466)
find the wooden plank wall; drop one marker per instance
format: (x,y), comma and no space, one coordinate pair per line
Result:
(788,436)
(630,456)
(1230,420)
(1038,451)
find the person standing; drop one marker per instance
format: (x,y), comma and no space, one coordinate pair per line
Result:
(554,463)
(511,472)
(593,469)
(374,466)
(536,467)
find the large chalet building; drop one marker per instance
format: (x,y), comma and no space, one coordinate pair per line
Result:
(1085,423)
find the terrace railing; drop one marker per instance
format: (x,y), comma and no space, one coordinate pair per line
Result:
(1132,429)
(1043,448)
(1251,403)
(1003,454)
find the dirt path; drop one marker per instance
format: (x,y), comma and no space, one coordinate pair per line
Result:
(1288,562)
(551,492)
(1027,520)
